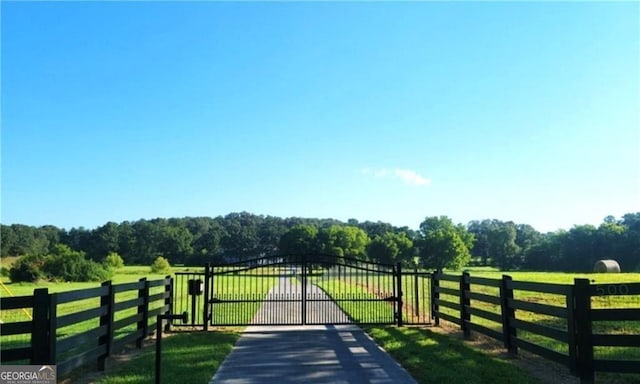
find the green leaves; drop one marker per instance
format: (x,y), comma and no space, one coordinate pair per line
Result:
(443,244)
(160,265)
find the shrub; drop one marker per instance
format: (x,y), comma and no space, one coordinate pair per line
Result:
(68,265)
(160,265)
(113,261)
(27,268)
(62,264)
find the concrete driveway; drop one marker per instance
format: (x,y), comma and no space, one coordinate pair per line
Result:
(308,354)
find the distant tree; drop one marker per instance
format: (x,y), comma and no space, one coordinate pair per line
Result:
(207,234)
(443,244)
(547,254)
(526,237)
(18,240)
(270,231)
(480,231)
(300,239)
(502,245)
(390,248)
(344,241)
(104,240)
(241,235)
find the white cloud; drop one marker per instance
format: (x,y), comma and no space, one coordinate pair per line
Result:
(408,176)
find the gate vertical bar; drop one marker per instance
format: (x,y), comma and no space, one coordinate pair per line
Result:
(399,274)
(416,292)
(435,296)
(205,305)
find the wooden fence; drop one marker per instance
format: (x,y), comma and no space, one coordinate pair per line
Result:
(78,327)
(522,315)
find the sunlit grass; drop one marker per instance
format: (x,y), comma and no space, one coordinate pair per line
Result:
(434,358)
(186,358)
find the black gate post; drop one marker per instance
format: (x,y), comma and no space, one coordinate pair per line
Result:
(399,298)
(435,296)
(304,289)
(205,305)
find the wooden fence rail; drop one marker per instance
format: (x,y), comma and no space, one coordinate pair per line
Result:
(74,328)
(467,304)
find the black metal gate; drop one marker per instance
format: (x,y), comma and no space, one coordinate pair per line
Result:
(298,290)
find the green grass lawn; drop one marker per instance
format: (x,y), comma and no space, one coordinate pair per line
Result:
(186,358)
(435,358)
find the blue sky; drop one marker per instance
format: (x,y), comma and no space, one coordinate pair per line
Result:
(375,111)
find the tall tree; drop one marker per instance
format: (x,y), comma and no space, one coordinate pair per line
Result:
(347,241)
(390,248)
(300,239)
(443,244)
(502,244)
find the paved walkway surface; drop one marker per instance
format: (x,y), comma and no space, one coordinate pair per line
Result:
(308,354)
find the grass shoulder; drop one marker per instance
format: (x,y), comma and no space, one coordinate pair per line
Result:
(432,357)
(187,357)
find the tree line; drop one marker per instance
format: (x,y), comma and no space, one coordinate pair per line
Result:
(438,243)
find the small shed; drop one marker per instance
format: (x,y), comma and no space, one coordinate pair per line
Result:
(606,266)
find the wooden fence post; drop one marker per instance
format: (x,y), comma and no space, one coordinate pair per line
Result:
(53,327)
(572,331)
(435,296)
(168,300)
(582,315)
(143,309)
(106,301)
(508,332)
(465,303)
(40,332)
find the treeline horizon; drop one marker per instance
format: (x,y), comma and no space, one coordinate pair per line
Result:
(438,243)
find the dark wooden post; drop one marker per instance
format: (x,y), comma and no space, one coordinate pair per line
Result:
(168,300)
(508,331)
(52,333)
(143,310)
(582,298)
(435,296)
(465,303)
(207,282)
(106,301)
(572,332)
(40,333)
(399,272)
